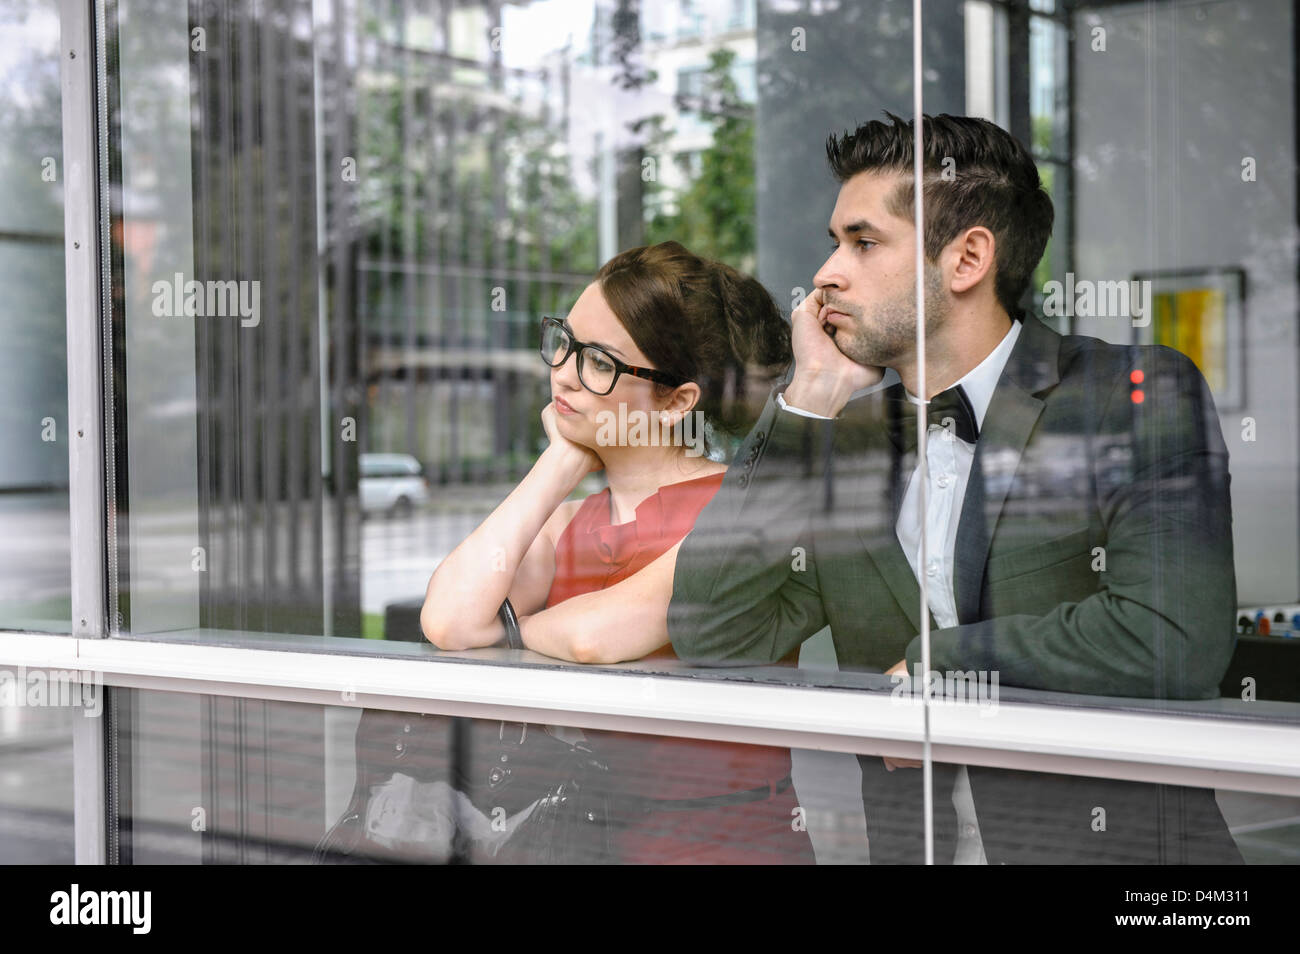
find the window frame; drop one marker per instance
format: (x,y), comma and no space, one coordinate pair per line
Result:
(1174,749)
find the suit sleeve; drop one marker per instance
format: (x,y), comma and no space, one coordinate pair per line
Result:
(1161,623)
(741,593)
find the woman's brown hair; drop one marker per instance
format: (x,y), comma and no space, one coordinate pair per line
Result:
(700,320)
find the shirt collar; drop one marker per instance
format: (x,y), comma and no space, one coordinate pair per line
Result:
(981,381)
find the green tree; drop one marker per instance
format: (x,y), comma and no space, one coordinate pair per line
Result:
(715,215)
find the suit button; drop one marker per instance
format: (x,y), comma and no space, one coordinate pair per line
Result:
(761,436)
(969,830)
(743,481)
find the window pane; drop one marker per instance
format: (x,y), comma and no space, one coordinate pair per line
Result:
(999,816)
(210,780)
(37,714)
(344,272)
(223,780)
(1171,193)
(1113,561)
(35,562)
(339,226)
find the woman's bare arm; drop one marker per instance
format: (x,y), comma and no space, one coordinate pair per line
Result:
(508,555)
(625,621)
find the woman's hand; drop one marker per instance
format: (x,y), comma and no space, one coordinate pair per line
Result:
(510,554)
(583,459)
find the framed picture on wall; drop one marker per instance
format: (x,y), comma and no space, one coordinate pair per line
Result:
(1202,313)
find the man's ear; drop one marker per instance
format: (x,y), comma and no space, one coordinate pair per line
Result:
(972,254)
(680,402)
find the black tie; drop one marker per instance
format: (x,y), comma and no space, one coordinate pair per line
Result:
(950,405)
(950,408)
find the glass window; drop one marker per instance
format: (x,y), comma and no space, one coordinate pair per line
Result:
(213,780)
(337,228)
(35,561)
(345,272)
(217,780)
(38,711)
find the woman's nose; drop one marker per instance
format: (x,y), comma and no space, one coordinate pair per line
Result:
(567,373)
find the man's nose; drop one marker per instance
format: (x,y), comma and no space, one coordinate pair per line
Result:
(829,275)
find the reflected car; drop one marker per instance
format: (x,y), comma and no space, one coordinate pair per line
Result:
(394,484)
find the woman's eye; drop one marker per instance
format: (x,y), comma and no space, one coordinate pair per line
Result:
(600,363)
(865,243)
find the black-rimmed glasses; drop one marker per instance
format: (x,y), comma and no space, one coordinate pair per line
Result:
(598,370)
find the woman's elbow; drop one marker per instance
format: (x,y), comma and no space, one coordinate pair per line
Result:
(438,630)
(589,649)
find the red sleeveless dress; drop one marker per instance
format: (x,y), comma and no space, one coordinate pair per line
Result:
(592,554)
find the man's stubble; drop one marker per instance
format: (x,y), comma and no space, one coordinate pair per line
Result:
(889,336)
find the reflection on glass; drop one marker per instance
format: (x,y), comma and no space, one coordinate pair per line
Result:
(999,816)
(36,826)
(218,780)
(338,228)
(35,562)
(215,780)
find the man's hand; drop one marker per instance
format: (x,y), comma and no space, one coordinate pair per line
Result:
(891,764)
(824,376)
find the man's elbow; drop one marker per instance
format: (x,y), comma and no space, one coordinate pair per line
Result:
(1188,663)
(1202,675)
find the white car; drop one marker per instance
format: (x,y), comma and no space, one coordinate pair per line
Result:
(392,483)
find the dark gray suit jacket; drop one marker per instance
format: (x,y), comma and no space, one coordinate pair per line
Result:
(1094,556)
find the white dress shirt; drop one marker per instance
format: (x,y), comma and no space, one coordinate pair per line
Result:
(950,459)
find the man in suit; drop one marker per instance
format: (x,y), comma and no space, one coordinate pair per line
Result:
(1077,529)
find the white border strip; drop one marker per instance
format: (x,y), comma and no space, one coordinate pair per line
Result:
(77,54)
(1211,753)
(922,419)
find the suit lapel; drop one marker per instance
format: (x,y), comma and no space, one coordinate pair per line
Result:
(881,541)
(1009,421)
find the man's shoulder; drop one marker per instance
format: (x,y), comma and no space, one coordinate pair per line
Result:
(1098,359)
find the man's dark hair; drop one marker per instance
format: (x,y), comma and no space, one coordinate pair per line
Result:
(993,182)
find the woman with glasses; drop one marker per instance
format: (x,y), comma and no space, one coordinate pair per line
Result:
(653,355)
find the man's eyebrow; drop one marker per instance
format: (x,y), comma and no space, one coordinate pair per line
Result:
(853,228)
